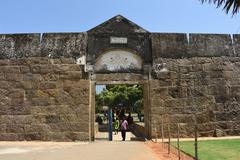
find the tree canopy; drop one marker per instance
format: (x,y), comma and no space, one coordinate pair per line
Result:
(228,5)
(129,96)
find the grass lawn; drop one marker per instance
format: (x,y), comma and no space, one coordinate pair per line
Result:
(214,149)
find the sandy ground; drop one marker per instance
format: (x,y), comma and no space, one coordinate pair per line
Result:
(100,150)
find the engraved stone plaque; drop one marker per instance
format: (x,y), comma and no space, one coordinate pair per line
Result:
(118,40)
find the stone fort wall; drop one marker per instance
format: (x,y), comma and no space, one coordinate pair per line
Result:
(202,82)
(43,98)
(45,95)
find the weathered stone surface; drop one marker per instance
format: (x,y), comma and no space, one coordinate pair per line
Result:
(119,77)
(137,39)
(209,93)
(69,45)
(118,24)
(210,45)
(36,103)
(236,40)
(19,45)
(118,61)
(169,45)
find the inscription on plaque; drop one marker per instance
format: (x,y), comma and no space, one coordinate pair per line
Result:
(118,40)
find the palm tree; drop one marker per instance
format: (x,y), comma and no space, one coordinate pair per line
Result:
(228,5)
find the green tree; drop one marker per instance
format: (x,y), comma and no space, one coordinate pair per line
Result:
(127,95)
(228,5)
(105,98)
(138,106)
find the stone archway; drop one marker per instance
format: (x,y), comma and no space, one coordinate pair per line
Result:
(120,67)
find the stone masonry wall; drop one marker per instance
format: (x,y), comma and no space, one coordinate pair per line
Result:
(199,78)
(52,45)
(44,94)
(43,99)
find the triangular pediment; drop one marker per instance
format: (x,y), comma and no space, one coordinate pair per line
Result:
(118,24)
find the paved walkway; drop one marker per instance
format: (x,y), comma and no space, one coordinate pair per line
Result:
(116,137)
(100,150)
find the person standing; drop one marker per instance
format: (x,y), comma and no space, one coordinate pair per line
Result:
(124,125)
(116,126)
(129,119)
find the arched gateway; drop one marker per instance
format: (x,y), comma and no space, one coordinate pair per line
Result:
(119,53)
(47,82)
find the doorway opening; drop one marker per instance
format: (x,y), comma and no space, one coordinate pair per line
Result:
(113,104)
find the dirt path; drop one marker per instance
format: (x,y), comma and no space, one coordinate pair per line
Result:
(161,152)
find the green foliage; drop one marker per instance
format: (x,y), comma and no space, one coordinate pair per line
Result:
(130,96)
(228,5)
(214,149)
(138,106)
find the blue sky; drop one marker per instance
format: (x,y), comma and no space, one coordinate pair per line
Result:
(188,16)
(100,88)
